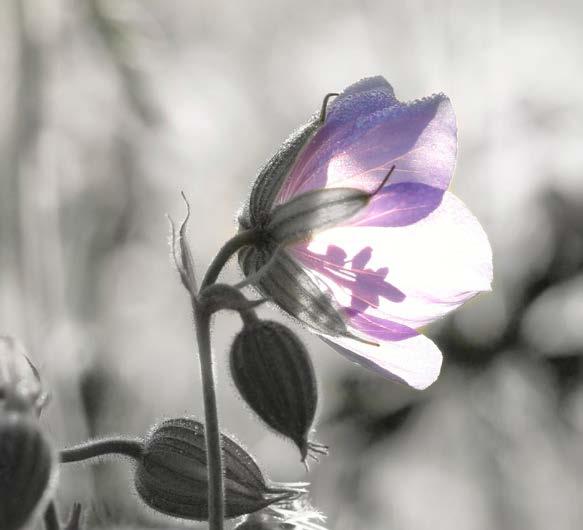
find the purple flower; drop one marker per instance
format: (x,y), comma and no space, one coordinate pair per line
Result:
(368,275)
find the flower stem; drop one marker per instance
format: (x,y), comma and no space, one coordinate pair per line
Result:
(216,500)
(120,446)
(212,433)
(237,242)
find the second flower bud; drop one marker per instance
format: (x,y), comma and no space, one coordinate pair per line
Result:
(273,372)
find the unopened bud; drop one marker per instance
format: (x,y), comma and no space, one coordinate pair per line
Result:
(273,372)
(20,385)
(27,470)
(172,475)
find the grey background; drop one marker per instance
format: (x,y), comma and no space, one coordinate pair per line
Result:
(109,109)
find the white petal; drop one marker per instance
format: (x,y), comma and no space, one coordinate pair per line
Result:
(415,361)
(439,262)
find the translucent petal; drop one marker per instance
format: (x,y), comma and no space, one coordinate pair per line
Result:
(369,95)
(365,285)
(415,361)
(399,205)
(379,329)
(419,138)
(363,97)
(437,263)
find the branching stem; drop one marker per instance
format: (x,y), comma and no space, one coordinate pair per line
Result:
(202,319)
(211,419)
(234,244)
(109,446)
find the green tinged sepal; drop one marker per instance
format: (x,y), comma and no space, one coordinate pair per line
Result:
(299,218)
(292,289)
(28,469)
(172,474)
(273,174)
(274,374)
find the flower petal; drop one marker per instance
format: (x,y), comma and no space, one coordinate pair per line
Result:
(415,361)
(379,329)
(358,147)
(365,286)
(361,98)
(399,205)
(437,263)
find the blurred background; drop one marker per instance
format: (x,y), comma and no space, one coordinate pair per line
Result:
(109,108)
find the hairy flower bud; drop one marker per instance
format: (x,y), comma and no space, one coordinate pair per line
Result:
(172,474)
(27,469)
(273,372)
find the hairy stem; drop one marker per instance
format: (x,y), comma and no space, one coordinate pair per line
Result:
(202,316)
(237,242)
(212,433)
(117,446)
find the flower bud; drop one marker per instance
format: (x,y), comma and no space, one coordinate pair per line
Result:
(20,385)
(273,372)
(172,475)
(27,470)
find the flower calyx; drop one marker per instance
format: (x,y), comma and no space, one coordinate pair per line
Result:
(172,474)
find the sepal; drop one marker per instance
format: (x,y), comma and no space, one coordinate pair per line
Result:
(293,290)
(299,218)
